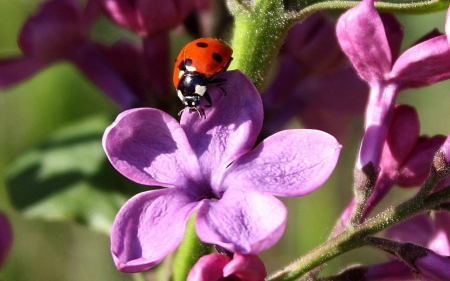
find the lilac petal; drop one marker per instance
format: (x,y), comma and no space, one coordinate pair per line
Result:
(423,64)
(243,221)
(95,66)
(447,25)
(147,17)
(149,147)
(362,37)
(434,265)
(417,167)
(313,45)
(157,52)
(289,163)
(14,70)
(401,138)
(231,126)
(245,267)
(440,242)
(394,33)
(158,16)
(148,227)
(57,29)
(6,238)
(209,268)
(417,230)
(394,270)
(127,60)
(446,149)
(123,13)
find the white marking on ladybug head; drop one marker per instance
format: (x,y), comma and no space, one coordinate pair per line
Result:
(200,90)
(180,74)
(191,68)
(180,95)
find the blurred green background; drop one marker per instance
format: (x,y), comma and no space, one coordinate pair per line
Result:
(60,95)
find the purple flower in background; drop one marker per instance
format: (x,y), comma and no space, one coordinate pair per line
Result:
(406,158)
(152,20)
(209,167)
(217,267)
(372,43)
(59,31)
(6,238)
(314,81)
(433,263)
(148,17)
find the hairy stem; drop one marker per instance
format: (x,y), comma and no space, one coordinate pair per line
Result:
(355,236)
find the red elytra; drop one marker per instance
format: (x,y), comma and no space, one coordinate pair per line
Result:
(195,68)
(209,56)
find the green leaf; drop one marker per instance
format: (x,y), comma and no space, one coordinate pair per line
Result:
(69,177)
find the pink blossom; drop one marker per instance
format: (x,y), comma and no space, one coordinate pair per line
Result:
(219,267)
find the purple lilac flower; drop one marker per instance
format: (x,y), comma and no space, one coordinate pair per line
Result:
(314,81)
(148,17)
(6,238)
(371,42)
(59,31)
(152,20)
(216,267)
(425,231)
(209,167)
(405,160)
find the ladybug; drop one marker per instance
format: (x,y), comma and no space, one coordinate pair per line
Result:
(196,66)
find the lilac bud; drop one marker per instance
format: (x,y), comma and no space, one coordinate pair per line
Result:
(216,267)
(434,265)
(401,138)
(147,17)
(417,167)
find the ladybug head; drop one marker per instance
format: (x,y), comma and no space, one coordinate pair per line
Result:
(191,102)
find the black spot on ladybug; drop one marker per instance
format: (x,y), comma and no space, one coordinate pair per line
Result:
(201,44)
(217,57)
(188,62)
(182,66)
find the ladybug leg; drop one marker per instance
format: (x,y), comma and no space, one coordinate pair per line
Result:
(200,111)
(228,64)
(219,82)
(208,99)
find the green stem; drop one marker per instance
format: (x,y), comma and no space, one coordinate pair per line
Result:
(258,34)
(189,251)
(354,237)
(416,7)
